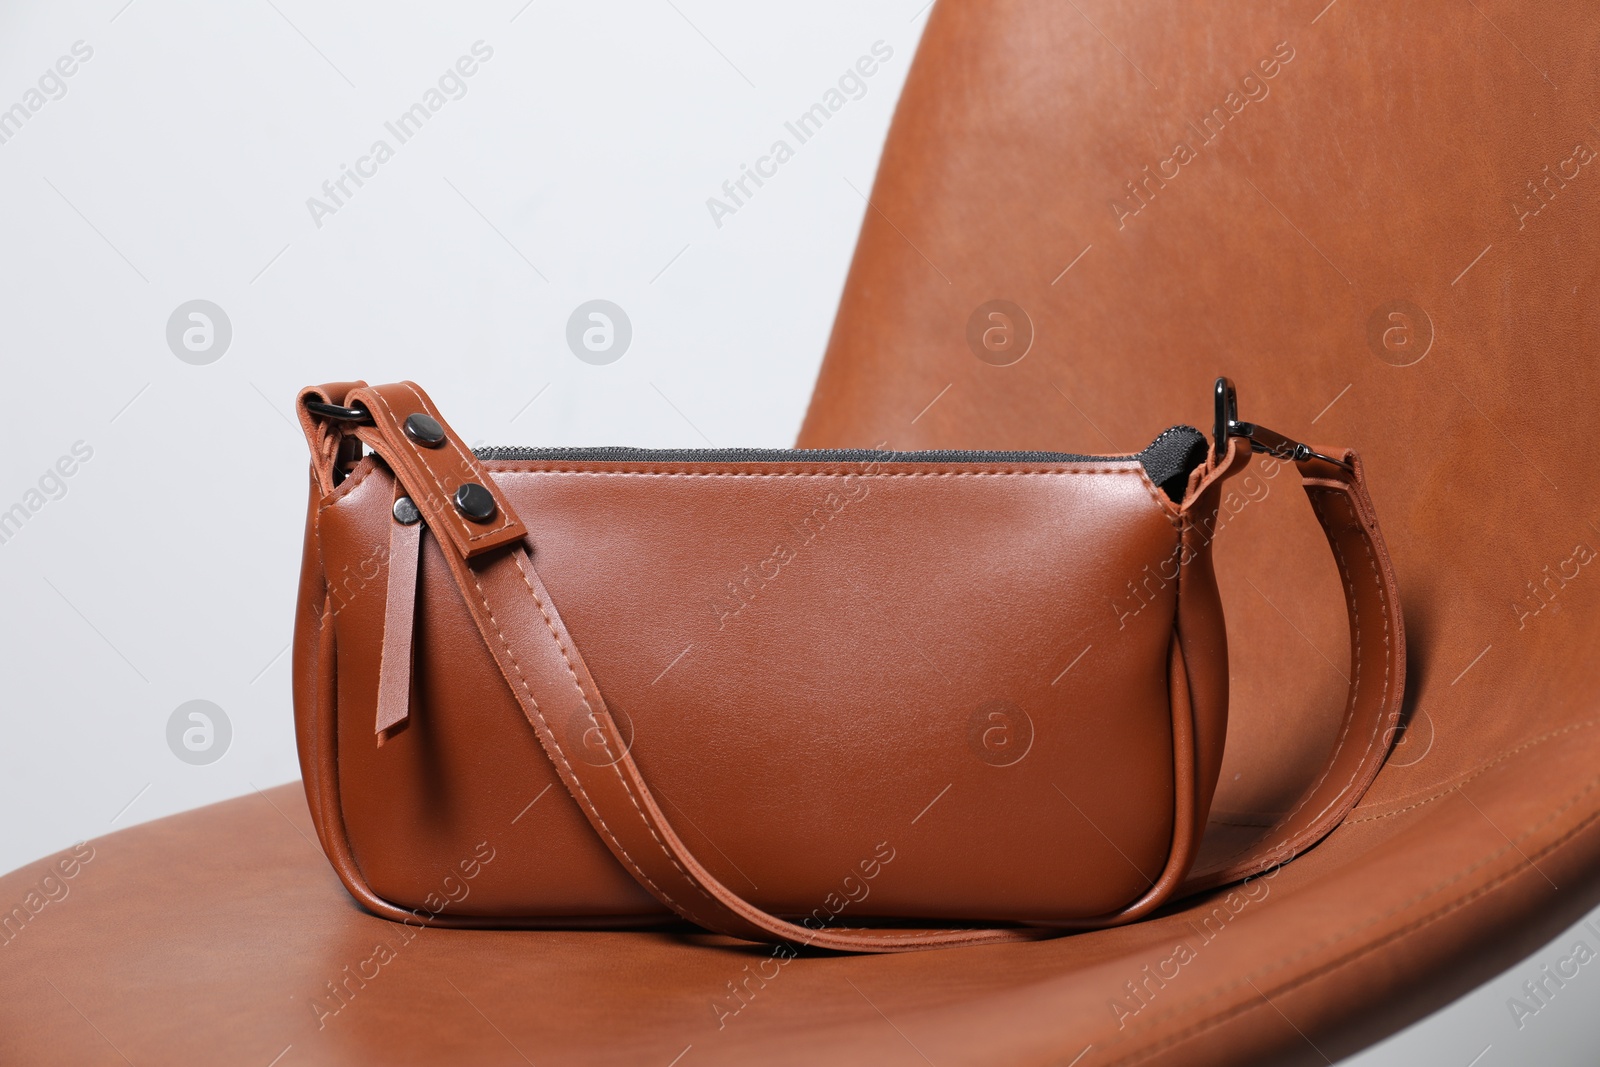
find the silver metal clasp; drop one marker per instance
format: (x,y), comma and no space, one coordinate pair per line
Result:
(1261,439)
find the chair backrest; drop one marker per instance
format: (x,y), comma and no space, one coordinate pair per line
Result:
(1379,219)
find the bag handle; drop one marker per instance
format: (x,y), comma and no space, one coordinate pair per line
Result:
(1335,485)
(551,683)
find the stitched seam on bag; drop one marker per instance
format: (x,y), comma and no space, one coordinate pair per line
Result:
(417,460)
(322,567)
(1162,504)
(1186,527)
(556,744)
(819,474)
(1483,768)
(316,665)
(344,489)
(328,611)
(604,740)
(1355,683)
(1398,935)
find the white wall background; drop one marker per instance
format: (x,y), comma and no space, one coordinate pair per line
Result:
(178,165)
(175,164)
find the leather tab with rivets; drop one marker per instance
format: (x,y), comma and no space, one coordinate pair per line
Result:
(435,469)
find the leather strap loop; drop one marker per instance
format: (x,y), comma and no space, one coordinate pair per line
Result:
(327,443)
(433,475)
(559,697)
(1377,676)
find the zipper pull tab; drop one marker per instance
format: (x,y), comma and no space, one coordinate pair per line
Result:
(1261,439)
(399,618)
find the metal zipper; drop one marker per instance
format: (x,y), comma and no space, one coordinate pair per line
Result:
(1168,459)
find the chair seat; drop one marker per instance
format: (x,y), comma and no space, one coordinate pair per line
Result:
(221,935)
(1358,239)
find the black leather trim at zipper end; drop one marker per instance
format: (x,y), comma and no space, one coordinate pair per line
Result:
(1172,457)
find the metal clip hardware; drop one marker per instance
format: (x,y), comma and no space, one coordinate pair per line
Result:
(334,411)
(1261,439)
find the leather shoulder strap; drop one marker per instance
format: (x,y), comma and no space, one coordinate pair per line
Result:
(547,675)
(1339,497)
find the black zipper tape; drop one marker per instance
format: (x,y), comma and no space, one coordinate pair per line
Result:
(1168,459)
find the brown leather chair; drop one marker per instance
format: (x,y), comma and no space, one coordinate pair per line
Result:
(1379,220)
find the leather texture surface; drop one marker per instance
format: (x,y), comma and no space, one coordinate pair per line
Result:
(1398,143)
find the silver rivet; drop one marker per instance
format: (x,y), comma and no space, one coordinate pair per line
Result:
(405,512)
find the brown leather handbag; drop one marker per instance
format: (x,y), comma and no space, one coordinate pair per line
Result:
(825,698)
